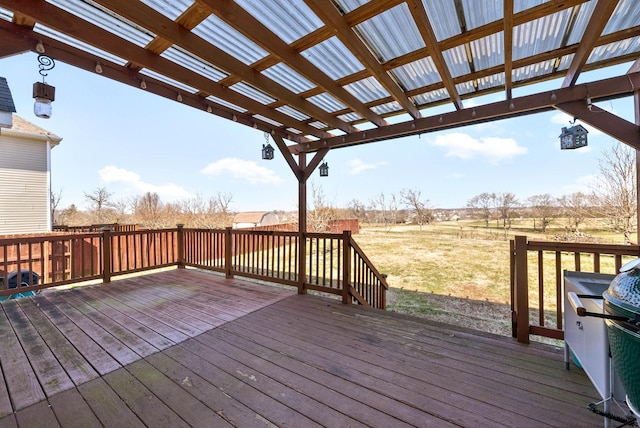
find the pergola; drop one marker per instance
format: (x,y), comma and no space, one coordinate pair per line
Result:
(318,75)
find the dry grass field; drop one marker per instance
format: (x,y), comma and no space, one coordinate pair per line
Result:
(455,272)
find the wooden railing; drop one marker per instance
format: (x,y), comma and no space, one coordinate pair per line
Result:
(332,263)
(537,273)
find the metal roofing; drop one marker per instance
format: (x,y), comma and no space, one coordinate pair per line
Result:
(319,73)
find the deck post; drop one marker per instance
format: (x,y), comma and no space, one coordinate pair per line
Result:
(346,267)
(302,225)
(228,253)
(521,290)
(106,254)
(181,263)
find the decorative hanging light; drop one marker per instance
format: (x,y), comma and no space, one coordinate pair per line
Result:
(267,149)
(44,94)
(324,169)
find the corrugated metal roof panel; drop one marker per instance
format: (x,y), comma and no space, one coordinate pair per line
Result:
(318,125)
(278,16)
(349,5)
(168,80)
(457,61)
(625,15)
(251,92)
(107,20)
(520,5)
(492,81)
(333,58)
(224,103)
(533,70)
(623,47)
(56,35)
(326,102)
(193,63)
(417,74)
(367,90)
(267,120)
(349,117)
(169,8)
(430,97)
(5,14)
(294,131)
(478,13)
(540,35)
(391,34)
(389,107)
(465,88)
(488,51)
(290,111)
(443,18)
(585,10)
(288,77)
(225,37)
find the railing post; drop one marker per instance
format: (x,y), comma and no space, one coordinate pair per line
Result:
(521,290)
(181,263)
(106,254)
(346,267)
(302,262)
(228,253)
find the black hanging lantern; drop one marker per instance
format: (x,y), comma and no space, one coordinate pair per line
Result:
(573,138)
(324,169)
(42,93)
(267,149)
(267,152)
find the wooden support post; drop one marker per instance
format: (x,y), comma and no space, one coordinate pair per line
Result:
(346,267)
(181,262)
(106,254)
(302,225)
(521,290)
(228,253)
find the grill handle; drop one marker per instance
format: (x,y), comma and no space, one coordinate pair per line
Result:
(581,311)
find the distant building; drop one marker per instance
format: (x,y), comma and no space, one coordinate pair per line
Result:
(254,219)
(25,177)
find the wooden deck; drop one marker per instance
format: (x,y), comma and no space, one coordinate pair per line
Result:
(190,348)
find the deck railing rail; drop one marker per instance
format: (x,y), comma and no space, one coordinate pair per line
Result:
(537,280)
(332,263)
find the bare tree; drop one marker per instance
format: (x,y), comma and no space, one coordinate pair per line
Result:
(322,213)
(411,198)
(148,210)
(55,202)
(385,209)
(576,208)
(615,189)
(505,203)
(483,204)
(358,210)
(543,207)
(100,200)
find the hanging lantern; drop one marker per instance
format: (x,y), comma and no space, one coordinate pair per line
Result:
(573,138)
(267,151)
(42,93)
(324,169)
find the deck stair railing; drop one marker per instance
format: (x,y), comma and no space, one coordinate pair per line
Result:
(332,263)
(537,277)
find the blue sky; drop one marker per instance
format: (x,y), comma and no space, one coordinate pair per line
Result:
(132,142)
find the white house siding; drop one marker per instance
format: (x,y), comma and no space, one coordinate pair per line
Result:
(24,186)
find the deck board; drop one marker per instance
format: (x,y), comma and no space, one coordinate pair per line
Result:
(191,348)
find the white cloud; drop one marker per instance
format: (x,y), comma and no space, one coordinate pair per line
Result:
(357,166)
(584,184)
(241,169)
(132,181)
(465,146)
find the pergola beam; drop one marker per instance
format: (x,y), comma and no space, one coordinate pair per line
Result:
(508,48)
(599,18)
(610,124)
(603,89)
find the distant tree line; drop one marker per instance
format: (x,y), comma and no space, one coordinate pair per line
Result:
(612,198)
